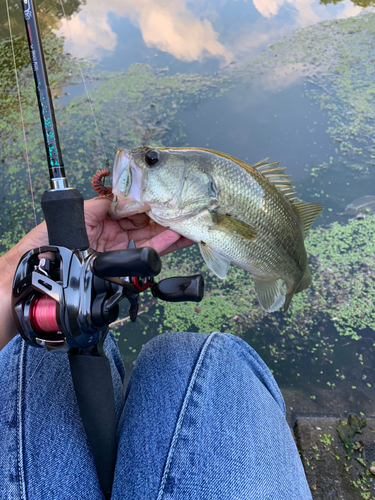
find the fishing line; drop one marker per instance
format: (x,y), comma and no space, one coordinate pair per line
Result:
(23,125)
(84,83)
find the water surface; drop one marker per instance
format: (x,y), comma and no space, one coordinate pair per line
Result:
(289,80)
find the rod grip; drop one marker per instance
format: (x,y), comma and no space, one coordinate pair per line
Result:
(64,215)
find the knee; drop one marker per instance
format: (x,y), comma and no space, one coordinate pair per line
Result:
(226,357)
(172,348)
(169,356)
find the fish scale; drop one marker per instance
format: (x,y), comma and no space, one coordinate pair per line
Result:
(253,198)
(238,214)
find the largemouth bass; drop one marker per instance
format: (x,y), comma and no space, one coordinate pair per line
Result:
(238,214)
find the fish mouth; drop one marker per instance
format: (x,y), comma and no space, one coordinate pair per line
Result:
(127,186)
(122,173)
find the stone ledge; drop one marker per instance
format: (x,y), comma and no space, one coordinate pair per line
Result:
(333,471)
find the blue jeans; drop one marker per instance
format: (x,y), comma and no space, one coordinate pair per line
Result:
(201,418)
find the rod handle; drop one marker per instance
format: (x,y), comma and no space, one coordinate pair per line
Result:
(64,215)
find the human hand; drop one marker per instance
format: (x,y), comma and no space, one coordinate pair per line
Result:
(108,234)
(103,234)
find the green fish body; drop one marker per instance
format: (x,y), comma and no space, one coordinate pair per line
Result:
(238,214)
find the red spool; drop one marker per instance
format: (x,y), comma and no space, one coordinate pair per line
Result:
(43,314)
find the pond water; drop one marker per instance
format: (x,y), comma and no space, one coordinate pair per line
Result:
(289,80)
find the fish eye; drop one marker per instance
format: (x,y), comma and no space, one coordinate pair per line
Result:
(152,157)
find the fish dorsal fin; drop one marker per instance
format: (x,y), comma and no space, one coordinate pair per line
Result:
(233,226)
(214,261)
(307,213)
(275,174)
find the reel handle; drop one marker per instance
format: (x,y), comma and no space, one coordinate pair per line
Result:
(180,289)
(142,262)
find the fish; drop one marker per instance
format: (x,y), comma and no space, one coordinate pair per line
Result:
(366,203)
(238,214)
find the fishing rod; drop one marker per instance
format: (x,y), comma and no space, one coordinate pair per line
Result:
(66,301)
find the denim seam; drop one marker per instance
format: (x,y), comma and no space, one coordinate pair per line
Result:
(182,415)
(37,366)
(21,469)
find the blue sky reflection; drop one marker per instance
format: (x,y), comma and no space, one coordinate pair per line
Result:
(197,30)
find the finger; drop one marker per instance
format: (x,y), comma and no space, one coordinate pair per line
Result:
(96,210)
(182,242)
(38,236)
(147,232)
(162,241)
(137,221)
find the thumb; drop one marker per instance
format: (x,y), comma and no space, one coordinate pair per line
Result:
(96,210)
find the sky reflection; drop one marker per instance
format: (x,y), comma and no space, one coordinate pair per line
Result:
(307,11)
(167,25)
(224,30)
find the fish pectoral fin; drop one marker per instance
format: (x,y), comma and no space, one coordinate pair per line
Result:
(270,294)
(214,261)
(233,226)
(307,213)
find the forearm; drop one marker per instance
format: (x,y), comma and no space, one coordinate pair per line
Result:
(8,266)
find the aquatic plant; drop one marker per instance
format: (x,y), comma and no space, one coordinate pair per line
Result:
(15,190)
(343,292)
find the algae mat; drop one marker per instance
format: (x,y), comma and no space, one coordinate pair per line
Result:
(140,106)
(328,337)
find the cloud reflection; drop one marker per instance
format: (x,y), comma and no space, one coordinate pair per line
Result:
(180,33)
(167,25)
(188,33)
(89,34)
(308,11)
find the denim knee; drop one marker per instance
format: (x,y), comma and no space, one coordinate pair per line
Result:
(171,354)
(175,353)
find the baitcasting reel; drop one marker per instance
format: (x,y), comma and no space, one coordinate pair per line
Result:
(67,301)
